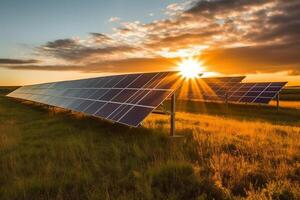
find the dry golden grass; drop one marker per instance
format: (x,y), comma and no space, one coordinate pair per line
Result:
(53,154)
(287,104)
(242,155)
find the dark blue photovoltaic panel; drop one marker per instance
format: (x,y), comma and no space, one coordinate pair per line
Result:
(124,95)
(127,81)
(158,79)
(98,94)
(261,93)
(137,96)
(105,111)
(126,99)
(94,107)
(101,82)
(110,94)
(231,89)
(261,100)
(142,80)
(81,107)
(154,97)
(113,81)
(119,112)
(213,89)
(135,115)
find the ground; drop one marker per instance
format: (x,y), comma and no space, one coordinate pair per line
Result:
(234,152)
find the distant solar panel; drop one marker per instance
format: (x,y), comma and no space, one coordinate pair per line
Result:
(213,89)
(125,99)
(261,93)
(232,90)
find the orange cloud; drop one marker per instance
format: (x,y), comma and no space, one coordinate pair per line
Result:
(241,36)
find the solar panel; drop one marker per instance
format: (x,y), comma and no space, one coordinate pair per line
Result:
(125,99)
(261,93)
(213,89)
(232,90)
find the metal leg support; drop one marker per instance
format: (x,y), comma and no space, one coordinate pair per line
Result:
(277,103)
(172,115)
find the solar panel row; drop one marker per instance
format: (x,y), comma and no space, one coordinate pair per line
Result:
(254,92)
(232,90)
(212,89)
(126,99)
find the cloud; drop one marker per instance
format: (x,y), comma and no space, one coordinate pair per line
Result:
(17,61)
(72,50)
(118,66)
(61,43)
(245,36)
(114,19)
(294,72)
(174,9)
(235,60)
(211,7)
(44,67)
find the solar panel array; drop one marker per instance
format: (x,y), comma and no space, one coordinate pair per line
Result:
(125,99)
(261,93)
(213,89)
(128,99)
(232,90)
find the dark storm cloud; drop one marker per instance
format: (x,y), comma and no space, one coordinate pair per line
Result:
(17,61)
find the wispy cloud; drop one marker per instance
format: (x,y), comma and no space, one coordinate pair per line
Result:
(114,19)
(173,9)
(229,36)
(17,61)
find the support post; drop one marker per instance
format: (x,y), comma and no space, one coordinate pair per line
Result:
(226,100)
(277,102)
(172,115)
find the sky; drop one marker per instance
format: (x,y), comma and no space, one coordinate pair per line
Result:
(43,41)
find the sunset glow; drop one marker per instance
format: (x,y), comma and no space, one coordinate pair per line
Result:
(190,68)
(161,36)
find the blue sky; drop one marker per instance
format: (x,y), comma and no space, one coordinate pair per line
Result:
(29,23)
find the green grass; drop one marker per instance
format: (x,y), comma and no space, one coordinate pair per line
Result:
(242,152)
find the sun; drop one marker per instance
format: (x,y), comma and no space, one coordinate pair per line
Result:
(190,67)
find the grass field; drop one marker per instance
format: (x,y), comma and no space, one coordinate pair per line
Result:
(234,152)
